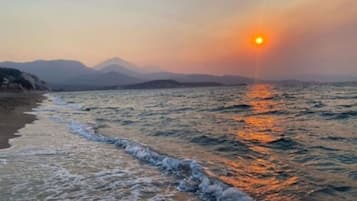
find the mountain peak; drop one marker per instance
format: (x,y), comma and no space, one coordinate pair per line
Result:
(115,61)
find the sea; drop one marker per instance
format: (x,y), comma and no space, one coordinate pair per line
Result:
(275,142)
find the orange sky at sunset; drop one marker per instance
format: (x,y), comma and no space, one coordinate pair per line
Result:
(203,36)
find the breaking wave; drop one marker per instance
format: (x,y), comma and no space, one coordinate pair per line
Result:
(192,177)
(190,174)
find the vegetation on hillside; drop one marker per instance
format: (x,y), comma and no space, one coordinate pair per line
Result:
(13,79)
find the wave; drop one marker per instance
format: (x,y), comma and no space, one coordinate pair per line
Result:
(223,144)
(331,189)
(319,105)
(206,140)
(353,175)
(232,108)
(324,148)
(284,144)
(273,112)
(344,97)
(340,115)
(59,101)
(334,138)
(305,112)
(176,132)
(190,174)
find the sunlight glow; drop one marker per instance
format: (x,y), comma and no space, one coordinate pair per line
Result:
(259,40)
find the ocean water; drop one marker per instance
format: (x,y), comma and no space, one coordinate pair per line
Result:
(255,142)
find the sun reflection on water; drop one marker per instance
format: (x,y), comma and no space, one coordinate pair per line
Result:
(260,174)
(260,126)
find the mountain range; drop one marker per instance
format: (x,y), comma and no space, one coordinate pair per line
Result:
(115,72)
(169,84)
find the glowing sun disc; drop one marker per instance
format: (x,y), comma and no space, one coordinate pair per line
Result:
(259,40)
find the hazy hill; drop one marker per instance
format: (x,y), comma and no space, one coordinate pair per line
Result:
(73,75)
(165,84)
(53,71)
(327,78)
(121,70)
(126,68)
(120,66)
(104,79)
(69,75)
(225,79)
(116,61)
(15,80)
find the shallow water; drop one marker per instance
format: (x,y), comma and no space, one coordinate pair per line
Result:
(49,163)
(272,142)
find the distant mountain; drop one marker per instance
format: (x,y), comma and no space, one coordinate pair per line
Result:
(104,79)
(15,80)
(225,79)
(327,78)
(165,84)
(53,71)
(120,66)
(122,70)
(124,67)
(73,75)
(70,75)
(118,62)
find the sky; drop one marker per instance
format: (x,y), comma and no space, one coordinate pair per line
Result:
(302,37)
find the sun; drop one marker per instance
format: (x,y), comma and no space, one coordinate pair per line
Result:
(259,40)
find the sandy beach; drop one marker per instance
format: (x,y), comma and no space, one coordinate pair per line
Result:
(12,113)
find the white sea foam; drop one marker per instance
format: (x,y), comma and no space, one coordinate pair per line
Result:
(70,167)
(58,101)
(191,175)
(39,152)
(3,161)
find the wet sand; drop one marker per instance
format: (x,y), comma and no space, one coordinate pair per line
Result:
(12,117)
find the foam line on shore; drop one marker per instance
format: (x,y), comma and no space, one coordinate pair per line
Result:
(190,174)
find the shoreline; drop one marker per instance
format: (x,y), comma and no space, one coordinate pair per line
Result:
(12,113)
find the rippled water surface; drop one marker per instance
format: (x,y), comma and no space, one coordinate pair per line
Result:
(272,142)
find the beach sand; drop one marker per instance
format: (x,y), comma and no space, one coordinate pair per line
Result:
(12,117)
